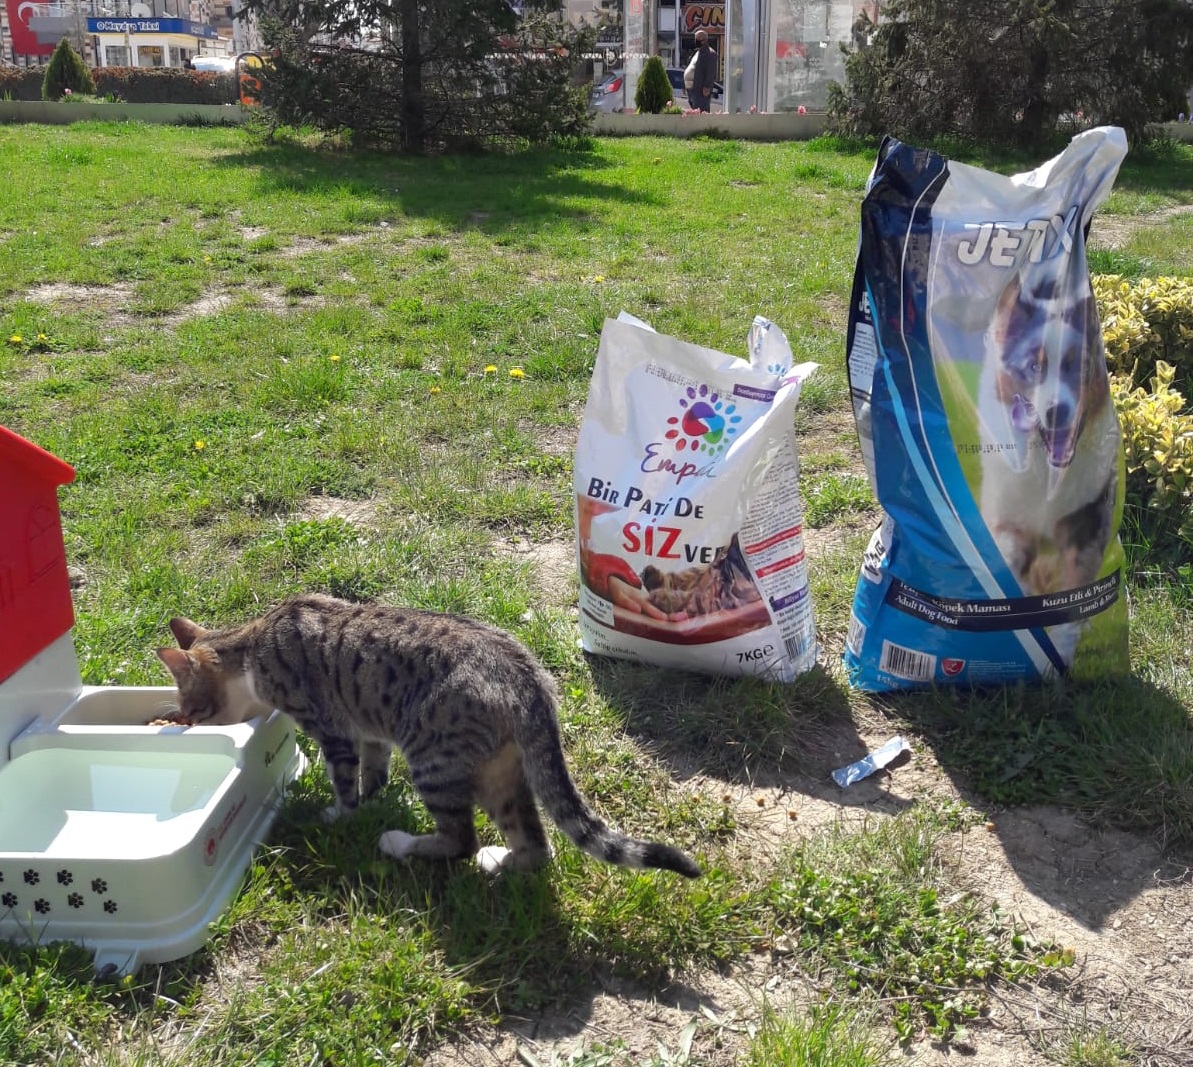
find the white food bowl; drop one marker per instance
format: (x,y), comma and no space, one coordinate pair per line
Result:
(126,838)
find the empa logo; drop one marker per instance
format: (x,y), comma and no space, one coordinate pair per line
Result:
(707,423)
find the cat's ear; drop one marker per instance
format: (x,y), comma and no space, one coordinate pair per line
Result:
(178,662)
(186,632)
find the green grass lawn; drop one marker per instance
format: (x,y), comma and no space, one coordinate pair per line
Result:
(276,369)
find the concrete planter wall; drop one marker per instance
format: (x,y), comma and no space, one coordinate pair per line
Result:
(1178,131)
(45,111)
(779,126)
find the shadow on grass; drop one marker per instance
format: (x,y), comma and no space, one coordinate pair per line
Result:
(746,732)
(491,193)
(737,729)
(525,942)
(1118,755)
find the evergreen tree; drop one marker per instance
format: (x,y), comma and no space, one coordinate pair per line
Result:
(420,75)
(654,89)
(66,70)
(1016,71)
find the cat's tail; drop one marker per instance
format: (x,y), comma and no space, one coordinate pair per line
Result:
(552,784)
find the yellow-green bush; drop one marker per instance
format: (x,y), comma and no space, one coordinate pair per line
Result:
(1158,443)
(1144,322)
(1147,329)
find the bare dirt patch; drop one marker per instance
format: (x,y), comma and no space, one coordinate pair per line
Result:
(103,297)
(112,302)
(1114,897)
(552,440)
(361,513)
(552,567)
(304,246)
(210,303)
(1112,232)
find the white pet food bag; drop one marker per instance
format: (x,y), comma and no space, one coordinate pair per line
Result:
(688,516)
(983,408)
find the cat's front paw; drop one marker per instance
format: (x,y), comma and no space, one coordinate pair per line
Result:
(491,859)
(395,843)
(332,813)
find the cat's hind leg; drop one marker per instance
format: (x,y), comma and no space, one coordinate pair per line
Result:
(450,805)
(503,792)
(455,838)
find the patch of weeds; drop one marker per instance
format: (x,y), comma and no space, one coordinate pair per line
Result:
(646,924)
(298,290)
(826,391)
(298,546)
(830,1035)
(28,343)
(519,508)
(301,384)
(358,986)
(832,497)
(1116,261)
(45,993)
(548,467)
(1086,1045)
(871,909)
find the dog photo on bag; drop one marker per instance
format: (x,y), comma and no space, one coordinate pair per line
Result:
(1047,494)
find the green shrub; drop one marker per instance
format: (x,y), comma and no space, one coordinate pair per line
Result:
(165,85)
(66,73)
(131,85)
(654,89)
(1146,322)
(1158,443)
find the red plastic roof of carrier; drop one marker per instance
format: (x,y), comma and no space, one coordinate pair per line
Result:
(35,601)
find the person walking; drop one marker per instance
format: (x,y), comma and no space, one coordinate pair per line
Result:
(703,75)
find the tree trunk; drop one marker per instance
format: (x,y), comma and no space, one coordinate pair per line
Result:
(413,111)
(1037,110)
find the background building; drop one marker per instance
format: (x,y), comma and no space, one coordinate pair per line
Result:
(774,55)
(145,33)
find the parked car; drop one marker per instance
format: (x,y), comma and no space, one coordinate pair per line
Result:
(613,92)
(219,64)
(609,93)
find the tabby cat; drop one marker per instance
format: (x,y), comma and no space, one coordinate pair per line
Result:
(473,712)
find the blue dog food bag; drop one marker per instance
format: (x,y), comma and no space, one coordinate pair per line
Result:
(982,403)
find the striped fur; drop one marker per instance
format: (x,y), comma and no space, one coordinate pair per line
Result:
(472,711)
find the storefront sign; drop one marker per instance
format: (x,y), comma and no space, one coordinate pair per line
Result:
(704,17)
(179,26)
